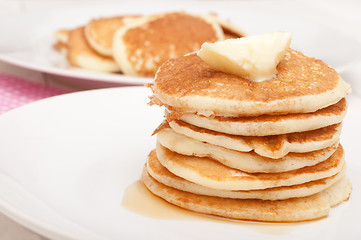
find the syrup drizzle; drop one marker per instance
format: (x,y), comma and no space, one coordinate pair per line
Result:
(140,200)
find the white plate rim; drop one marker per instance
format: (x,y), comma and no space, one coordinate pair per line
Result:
(78,73)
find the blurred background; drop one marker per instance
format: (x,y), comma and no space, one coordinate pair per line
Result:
(339,35)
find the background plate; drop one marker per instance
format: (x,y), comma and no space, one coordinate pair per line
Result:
(28,43)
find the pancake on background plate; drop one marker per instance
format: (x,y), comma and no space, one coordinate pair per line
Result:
(62,37)
(141,43)
(100,32)
(229,29)
(79,53)
(141,47)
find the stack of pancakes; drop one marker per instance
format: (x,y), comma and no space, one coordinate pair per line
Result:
(138,45)
(265,151)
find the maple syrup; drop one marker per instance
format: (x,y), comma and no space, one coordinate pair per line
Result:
(138,199)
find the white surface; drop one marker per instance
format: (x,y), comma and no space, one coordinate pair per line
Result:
(80,151)
(31,47)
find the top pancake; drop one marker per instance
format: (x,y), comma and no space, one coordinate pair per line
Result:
(140,48)
(302,84)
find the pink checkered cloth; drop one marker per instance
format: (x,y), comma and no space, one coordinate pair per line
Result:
(15,92)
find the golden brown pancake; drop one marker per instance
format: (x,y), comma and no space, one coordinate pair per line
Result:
(275,146)
(80,54)
(212,174)
(249,162)
(61,47)
(229,29)
(164,176)
(100,33)
(302,84)
(289,210)
(266,125)
(62,37)
(231,33)
(142,47)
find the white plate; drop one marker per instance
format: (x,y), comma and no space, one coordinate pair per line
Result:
(66,161)
(27,40)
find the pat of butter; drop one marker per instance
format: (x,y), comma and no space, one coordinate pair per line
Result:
(253,57)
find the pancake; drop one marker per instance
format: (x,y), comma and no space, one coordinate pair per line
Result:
(210,173)
(249,162)
(302,85)
(164,176)
(262,151)
(270,124)
(100,33)
(275,146)
(61,47)
(289,210)
(81,55)
(140,48)
(62,37)
(230,30)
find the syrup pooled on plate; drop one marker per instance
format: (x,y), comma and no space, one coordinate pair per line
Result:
(138,199)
